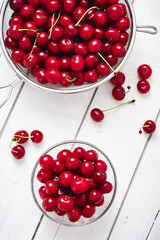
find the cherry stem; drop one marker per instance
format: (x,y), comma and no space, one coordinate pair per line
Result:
(71,80)
(27,30)
(13,139)
(53,24)
(132,101)
(33,46)
(128,90)
(85,14)
(140,130)
(22,136)
(106,62)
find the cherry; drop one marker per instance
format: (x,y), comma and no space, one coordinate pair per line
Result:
(24,43)
(118,50)
(16,5)
(66,79)
(95,45)
(100,19)
(123,8)
(18,55)
(69,5)
(30,60)
(65,178)
(106,187)
(32,28)
(52,21)
(143,86)
(81,49)
(118,92)
(49,204)
(123,38)
(36,136)
(40,19)
(91,76)
(86,32)
(79,185)
(16,20)
(40,75)
(74,214)
(101,202)
(97,115)
(42,192)
(21,136)
(100,165)
(79,78)
(71,30)
(91,61)
(53,47)
(65,20)
(35,69)
(87,168)
(103,69)
(43,3)
(53,76)
(144,71)
(44,175)
(79,152)
(10,43)
(42,56)
(14,32)
(51,187)
(52,62)
(18,151)
(53,6)
(66,45)
(123,24)
(100,177)
(78,13)
(118,79)
(114,12)
(101,2)
(63,155)
(27,11)
(46,162)
(77,63)
(42,38)
(99,33)
(58,167)
(80,199)
(72,163)
(111,59)
(65,203)
(111,2)
(91,155)
(64,63)
(90,14)
(112,35)
(84,3)
(59,212)
(34,3)
(88,210)
(57,33)
(149,127)
(95,196)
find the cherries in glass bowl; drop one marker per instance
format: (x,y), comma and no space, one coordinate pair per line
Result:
(73,183)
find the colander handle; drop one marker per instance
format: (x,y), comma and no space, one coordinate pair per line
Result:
(11,85)
(147,29)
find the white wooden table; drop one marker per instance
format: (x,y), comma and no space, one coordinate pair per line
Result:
(134,214)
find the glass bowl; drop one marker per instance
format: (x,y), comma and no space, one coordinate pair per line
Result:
(108,198)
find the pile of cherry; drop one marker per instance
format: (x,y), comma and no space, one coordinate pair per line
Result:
(67,41)
(74,183)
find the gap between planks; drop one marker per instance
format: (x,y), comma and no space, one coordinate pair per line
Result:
(77,132)
(131,181)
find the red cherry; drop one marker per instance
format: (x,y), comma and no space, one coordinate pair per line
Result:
(101,2)
(78,13)
(44,175)
(144,71)
(65,178)
(46,162)
(58,167)
(21,136)
(77,63)
(63,155)
(95,196)
(74,214)
(53,47)
(40,75)
(49,204)
(91,183)
(72,163)
(53,6)
(123,8)
(123,38)
(14,32)
(51,187)
(91,61)
(118,50)
(106,187)
(69,5)
(35,69)
(40,19)
(79,152)
(143,86)
(100,203)
(84,3)
(18,151)
(18,55)
(42,38)
(100,19)
(32,26)
(99,33)
(42,192)
(16,5)
(91,76)
(111,59)
(59,212)
(114,12)
(79,185)
(111,2)
(149,126)
(87,168)
(52,21)
(100,165)
(71,30)
(16,20)
(42,56)
(27,11)
(91,155)
(79,78)
(24,43)
(30,60)
(97,115)
(103,69)
(118,79)
(57,33)
(123,24)
(100,177)
(86,32)
(88,210)
(52,62)
(90,14)
(112,35)
(65,203)
(95,45)
(43,3)
(34,3)
(36,136)
(66,45)
(81,49)
(41,10)
(80,199)
(65,20)
(66,79)
(118,93)
(10,43)
(64,63)
(53,76)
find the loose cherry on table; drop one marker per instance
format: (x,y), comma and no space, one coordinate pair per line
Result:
(144,71)
(119,92)
(148,127)
(143,86)
(18,151)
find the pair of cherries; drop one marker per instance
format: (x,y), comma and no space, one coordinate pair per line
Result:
(22,137)
(144,72)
